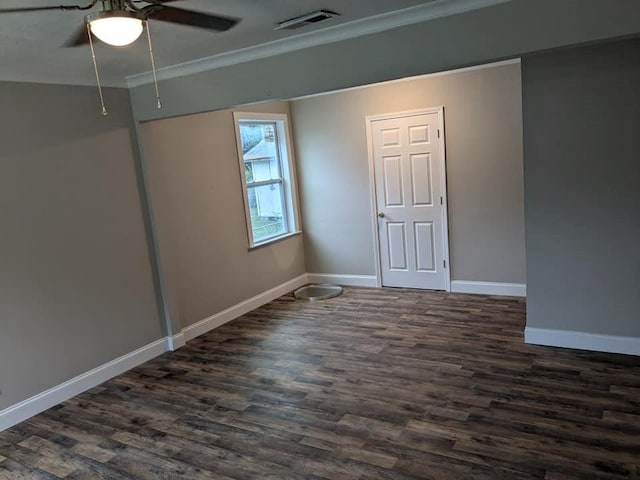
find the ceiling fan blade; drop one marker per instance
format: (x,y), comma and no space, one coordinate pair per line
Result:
(189,17)
(79,37)
(35,9)
(57,7)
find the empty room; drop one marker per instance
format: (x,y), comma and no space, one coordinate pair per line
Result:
(320,240)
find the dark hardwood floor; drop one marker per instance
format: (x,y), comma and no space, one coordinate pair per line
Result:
(376,384)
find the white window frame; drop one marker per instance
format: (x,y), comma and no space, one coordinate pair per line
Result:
(288,182)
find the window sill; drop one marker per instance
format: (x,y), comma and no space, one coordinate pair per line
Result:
(274,240)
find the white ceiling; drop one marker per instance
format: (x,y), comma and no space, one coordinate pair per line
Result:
(30,43)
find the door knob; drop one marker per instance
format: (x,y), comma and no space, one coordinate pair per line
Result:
(381,215)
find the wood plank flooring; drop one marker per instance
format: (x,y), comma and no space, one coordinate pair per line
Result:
(376,384)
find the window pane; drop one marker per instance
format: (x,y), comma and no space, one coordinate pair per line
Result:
(267,212)
(260,151)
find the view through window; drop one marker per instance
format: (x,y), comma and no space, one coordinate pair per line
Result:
(265,166)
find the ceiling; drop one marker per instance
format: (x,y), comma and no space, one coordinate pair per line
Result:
(30,43)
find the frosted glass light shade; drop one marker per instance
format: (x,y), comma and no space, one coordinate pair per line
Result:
(119,28)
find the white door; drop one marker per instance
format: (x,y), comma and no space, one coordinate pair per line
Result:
(410,186)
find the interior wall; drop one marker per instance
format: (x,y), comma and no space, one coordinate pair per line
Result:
(508,30)
(76,288)
(196,191)
(581,144)
(483,125)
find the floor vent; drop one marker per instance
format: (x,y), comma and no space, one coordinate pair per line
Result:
(304,20)
(317,291)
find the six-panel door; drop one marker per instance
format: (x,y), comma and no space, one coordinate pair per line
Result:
(408,167)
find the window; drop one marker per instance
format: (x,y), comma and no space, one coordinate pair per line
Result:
(266,168)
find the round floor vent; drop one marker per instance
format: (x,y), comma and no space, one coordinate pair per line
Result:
(318,291)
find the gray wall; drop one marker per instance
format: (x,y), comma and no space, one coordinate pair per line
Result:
(483,123)
(198,207)
(582,171)
(76,289)
(504,31)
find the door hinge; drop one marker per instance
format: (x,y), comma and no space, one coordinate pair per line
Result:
(441,201)
(444,263)
(438,133)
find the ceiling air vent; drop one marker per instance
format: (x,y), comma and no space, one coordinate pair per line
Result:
(304,20)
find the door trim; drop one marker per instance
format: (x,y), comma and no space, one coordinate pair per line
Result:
(369,119)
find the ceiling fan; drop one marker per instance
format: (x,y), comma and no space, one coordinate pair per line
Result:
(120,22)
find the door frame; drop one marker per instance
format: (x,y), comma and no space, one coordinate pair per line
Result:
(369,119)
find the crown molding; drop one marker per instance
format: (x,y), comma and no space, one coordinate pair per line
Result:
(345,31)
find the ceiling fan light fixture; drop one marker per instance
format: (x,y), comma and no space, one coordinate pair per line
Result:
(115,27)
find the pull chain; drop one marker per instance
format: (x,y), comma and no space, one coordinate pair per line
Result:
(95,67)
(153,64)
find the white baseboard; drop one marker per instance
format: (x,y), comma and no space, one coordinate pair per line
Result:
(45,400)
(345,280)
(175,342)
(50,398)
(582,341)
(489,288)
(231,313)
